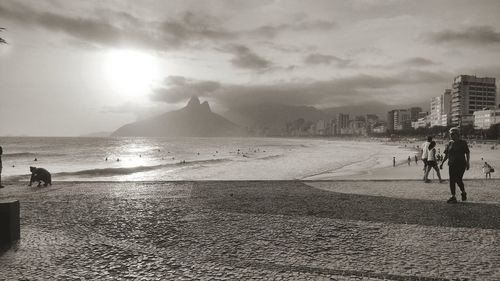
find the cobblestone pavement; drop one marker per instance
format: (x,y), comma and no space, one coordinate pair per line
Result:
(244,230)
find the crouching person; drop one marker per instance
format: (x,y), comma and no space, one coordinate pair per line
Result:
(39,175)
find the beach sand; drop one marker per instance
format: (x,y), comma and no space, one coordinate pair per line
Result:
(269,230)
(480,153)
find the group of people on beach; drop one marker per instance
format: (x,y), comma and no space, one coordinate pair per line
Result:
(457,154)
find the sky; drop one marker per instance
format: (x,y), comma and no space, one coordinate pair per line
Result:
(77,67)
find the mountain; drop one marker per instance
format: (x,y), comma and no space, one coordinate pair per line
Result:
(377,108)
(272,117)
(194,120)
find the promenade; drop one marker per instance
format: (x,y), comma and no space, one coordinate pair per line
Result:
(254,230)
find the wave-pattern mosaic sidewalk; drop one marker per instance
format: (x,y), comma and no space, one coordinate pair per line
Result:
(282,230)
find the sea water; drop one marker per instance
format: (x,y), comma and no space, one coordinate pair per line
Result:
(163,159)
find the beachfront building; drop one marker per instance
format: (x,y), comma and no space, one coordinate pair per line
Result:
(469,94)
(440,109)
(484,119)
(379,128)
(342,123)
(422,122)
(400,119)
(390,120)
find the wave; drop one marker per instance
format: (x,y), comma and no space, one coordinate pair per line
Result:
(30,154)
(107,172)
(271,157)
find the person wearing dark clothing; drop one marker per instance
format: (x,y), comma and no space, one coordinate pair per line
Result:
(1,152)
(39,175)
(458,155)
(409,160)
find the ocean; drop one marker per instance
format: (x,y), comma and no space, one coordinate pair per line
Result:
(164,159)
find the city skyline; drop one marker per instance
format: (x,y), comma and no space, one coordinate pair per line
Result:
(84,66)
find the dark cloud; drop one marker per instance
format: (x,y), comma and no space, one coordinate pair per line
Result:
(178,88)
(314,59)
(247,59)
(111,28)
(418,61)
(270,31)
(474,36)
(193,28)
(342,91)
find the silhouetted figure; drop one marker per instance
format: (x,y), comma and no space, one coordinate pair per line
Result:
(409,160)
(416,160)
(39,175)
(487,170)
(458,155)
(432,162)
(1,152)
(35,160)
(394,161)
(106,158)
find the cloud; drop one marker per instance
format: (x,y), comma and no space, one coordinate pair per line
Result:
(271,31)
(315,59)
(111,28)
(338,92)
(192,28)
(246,59)
(474,36)
(418,61)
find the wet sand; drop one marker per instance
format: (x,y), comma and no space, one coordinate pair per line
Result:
(268,230)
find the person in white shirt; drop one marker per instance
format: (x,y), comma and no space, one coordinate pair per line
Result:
(425,152)
(432,162)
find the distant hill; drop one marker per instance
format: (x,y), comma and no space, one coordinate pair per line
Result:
(194,120)
(377,108)
(272,116)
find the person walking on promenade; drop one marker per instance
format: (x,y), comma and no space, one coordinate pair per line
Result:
(425,152)
(416,159)
(1,152)
(409,160)
(394,161)
(487,170)
(458,155)
(432,162)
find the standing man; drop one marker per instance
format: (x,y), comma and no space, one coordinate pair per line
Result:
(409,160)
(458,155)
(425,152)
(1,152)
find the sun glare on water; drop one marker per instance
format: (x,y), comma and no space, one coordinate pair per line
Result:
(132,73)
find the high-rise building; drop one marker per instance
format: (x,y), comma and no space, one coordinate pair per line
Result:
(440,109)
(342,122)
(469,94)
(400,119)
(414,113)
(390,120)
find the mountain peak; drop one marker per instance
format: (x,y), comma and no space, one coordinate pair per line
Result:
(194,102)
(205,106)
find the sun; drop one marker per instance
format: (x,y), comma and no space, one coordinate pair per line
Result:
(132,73)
